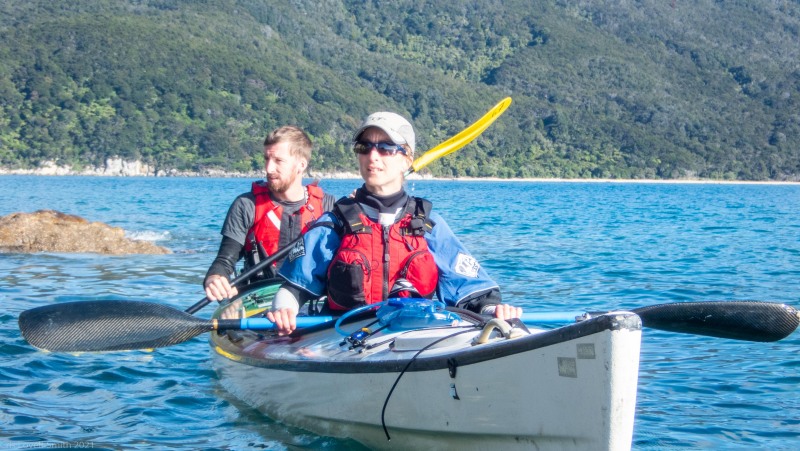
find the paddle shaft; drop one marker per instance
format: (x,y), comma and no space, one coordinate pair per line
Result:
(249,273)
(738,320)
(261,323)
(93,326)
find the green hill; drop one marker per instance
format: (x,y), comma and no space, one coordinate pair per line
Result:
(644,89)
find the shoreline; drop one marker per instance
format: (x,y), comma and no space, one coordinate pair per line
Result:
(217,173)
(642,181)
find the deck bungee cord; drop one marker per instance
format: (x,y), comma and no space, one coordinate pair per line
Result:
(413,314)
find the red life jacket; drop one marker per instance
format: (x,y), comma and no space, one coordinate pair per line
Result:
(266,229)
(372,258)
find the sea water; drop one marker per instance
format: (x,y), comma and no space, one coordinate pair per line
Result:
(551,247)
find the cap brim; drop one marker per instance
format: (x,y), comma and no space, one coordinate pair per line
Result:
(396,138)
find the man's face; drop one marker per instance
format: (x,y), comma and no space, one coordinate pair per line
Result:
(284,170)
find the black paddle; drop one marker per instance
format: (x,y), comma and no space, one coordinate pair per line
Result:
(242,278)
(91,326)
(738,320)
(124,325)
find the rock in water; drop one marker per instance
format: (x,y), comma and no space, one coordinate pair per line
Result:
(54,231)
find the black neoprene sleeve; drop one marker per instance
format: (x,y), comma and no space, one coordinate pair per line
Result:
(227,256)
(478,301)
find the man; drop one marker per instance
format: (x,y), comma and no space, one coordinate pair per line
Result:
(382,242)
(272,214)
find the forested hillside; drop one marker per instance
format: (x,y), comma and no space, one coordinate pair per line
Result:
(616,89)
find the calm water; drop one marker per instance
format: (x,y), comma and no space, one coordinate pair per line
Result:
(554,246)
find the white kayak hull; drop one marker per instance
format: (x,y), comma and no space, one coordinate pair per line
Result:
(571,388)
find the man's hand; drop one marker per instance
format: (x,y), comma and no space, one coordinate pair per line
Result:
(218,288)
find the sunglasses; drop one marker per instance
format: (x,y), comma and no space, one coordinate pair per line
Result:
(384,148)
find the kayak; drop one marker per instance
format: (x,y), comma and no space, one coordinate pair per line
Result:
(413,373)
(447,380)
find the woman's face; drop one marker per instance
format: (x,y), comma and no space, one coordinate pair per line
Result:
(382,174)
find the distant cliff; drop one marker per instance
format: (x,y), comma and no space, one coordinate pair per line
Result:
(117,167)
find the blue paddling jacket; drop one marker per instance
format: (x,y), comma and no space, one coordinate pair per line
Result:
(462,281)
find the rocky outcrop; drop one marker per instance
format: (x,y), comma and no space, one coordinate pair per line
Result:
(53,231)
(120,167)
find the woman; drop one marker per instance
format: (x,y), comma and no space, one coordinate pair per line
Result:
(382,243)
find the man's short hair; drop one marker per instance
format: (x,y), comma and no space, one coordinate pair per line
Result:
(299,143)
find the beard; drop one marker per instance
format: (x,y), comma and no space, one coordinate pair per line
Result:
(281,185)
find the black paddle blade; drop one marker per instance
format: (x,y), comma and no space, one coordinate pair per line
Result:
(91,326)
(739,320)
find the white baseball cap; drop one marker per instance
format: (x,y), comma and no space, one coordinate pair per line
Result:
(396,126)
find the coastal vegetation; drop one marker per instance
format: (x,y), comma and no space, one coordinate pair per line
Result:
(645,89)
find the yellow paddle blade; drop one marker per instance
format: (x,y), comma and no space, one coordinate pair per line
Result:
(462,139)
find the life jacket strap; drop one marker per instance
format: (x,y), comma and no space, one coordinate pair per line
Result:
(348,211)
(420,211)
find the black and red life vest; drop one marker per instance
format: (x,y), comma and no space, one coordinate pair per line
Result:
(266,230)
(372,258)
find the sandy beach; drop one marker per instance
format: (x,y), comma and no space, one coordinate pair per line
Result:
(218,173)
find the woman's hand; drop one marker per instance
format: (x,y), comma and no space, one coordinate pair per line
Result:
(507,311)
(285,320)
